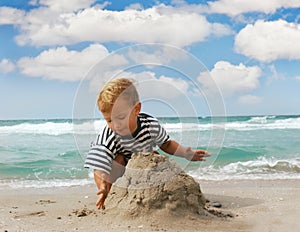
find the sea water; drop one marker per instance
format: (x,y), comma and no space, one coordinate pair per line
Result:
(47,153)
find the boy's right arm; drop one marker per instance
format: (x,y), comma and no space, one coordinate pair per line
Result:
(104,185)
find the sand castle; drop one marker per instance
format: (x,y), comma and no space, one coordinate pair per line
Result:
(152,184)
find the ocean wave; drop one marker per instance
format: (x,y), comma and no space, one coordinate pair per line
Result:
(264,123)
(17,183)
(54,128)
(40,180)
(255,123)
(260,119)
(262,168)
(94,126)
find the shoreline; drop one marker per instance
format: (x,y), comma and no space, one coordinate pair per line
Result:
(257,205)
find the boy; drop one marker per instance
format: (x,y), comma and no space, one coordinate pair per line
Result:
(127,131)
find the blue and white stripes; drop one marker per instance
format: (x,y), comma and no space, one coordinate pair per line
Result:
(108,144)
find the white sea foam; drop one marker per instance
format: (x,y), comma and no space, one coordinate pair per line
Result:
(260,119)
(262,168)
(53,128)
(255,123)
(46,183)
(93,127)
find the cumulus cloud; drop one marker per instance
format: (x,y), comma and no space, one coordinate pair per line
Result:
(9,15)
(161,24)
(149,59)
(66,5)
(134,6)
(150,85)
(153,85)
(275,75)
(61,63)
(230,79)
(164,86)
(236,7)
(159,55)
(6,66)
(268,41)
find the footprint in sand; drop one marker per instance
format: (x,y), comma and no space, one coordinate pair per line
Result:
(38,213)
(45,202)
(84,212)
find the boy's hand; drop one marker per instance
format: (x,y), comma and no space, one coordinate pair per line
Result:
(104,185)
(102,193)
(196,155)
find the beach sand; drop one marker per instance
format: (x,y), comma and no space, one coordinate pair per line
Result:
(250,205)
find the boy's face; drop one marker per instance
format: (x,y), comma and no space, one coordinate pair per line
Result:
(122,119)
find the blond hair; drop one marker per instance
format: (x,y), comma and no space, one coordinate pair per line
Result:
(115,88)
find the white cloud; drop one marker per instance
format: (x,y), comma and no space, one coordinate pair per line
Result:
(220,30)
(275,75)
(62,64)
(158,55)
(159,24)
(150,85)
(230,79)
(10,15)
(126,62)
(236,7)
(297,78)
(268,41)
(66,5)
(6,66)
(249,99)
(154,89)
(134,6)
(33,2)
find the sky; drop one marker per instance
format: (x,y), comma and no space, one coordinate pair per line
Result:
(204,58)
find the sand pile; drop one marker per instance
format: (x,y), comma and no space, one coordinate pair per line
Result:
(155,184)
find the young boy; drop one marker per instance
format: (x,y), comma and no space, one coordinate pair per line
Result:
(127,131)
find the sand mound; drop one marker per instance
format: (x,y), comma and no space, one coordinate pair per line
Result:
(152,183)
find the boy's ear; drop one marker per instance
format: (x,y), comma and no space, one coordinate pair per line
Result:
(138,107)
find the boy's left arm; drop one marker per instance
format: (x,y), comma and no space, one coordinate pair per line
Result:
(173,148)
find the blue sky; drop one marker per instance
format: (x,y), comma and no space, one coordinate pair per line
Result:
(249,49)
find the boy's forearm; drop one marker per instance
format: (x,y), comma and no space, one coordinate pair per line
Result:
(174,148)
(101,179)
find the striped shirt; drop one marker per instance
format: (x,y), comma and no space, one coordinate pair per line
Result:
(108,144)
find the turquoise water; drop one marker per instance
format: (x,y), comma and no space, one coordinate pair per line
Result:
(46,153)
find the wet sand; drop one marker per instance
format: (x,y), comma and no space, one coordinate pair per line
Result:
(246,205)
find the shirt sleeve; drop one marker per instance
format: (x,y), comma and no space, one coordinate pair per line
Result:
(161,136)
(101,153)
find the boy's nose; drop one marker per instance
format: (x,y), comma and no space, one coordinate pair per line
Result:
(116,125)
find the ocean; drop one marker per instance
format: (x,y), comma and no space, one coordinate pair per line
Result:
(50,153)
